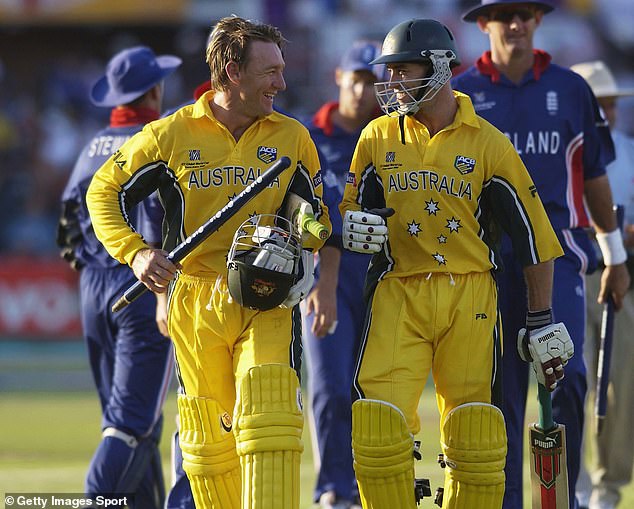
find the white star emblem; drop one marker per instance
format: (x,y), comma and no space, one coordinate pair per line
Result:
(413,228)
(439,258)
(431,207)
(232,196)
(453,224)
(442,239)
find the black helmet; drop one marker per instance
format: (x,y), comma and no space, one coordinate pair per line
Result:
(263,261)
(424,41)
(410,41)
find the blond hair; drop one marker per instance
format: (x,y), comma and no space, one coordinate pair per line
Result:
(230,40)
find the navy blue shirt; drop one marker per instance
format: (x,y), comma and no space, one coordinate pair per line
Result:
(88,250)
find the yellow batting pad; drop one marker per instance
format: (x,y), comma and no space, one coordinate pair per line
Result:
(383,451)
(474,444)
(268,427)
(209,453)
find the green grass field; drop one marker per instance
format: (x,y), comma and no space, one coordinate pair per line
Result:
(48,437)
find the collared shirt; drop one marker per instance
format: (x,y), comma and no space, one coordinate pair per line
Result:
(554,122)
(451,193)
(197,166)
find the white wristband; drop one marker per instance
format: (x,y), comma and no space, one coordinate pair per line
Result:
(612,248)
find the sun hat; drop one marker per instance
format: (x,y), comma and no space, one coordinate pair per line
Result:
(129,74)
(485,5)
(600,79)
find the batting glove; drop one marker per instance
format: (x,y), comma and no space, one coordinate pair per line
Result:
(305,282)
(547,347)
(365,232)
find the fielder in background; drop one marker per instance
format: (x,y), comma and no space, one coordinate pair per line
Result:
(452,182)
(131,361)
(614,448)
(230,358)
(333,311)
(553,120)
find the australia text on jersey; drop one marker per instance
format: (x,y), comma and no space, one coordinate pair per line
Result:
(427,180)
(225,176)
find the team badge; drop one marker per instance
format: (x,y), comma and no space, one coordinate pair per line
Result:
(225,422)
(351,179)
(317,179)
(263,288)
(267,154)
(194,155)
(464,164)
(552,102)
(390,157)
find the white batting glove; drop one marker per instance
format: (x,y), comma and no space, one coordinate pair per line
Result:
(548,349)
(364,232)
(305,283)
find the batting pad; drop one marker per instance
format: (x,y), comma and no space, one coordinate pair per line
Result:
(473,440)
(383,450)
(209,453)
(268,429)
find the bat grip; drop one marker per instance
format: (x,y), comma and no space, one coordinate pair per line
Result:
(309,224)
(546,422)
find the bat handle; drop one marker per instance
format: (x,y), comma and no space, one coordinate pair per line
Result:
(546,422)
(131,294)
(309,224)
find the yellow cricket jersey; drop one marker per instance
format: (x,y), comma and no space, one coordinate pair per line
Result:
(196,166)
(451,194)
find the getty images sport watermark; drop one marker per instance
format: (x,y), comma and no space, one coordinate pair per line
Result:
(64,500)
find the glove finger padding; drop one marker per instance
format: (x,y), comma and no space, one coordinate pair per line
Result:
(305,282)
(548,349)
(364,232)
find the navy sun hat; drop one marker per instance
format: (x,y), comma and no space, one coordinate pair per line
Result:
(485,5)
(130,74)
(358,57)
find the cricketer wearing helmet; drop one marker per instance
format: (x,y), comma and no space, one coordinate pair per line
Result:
(430,187)
(239,403)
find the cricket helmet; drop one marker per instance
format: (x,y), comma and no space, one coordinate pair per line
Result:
(424,41)
(263,261)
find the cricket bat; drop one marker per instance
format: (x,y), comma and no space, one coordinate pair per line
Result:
(605,348)
(549,470)
(300,212)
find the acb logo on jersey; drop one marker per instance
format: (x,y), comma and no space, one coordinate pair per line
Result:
(464,164)
(267,154)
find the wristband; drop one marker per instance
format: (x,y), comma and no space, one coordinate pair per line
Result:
(539,319)
(612,248)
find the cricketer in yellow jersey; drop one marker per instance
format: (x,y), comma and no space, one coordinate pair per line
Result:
(239,403)
(453,182)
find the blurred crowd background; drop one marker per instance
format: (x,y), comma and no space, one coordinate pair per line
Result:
(51,51)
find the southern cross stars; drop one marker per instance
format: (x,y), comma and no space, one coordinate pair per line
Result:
(413,228)
(453,224)
(439,258)
(431,207)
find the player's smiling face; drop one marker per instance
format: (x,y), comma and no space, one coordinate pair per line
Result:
(407,78)
(261,78)
(511,28)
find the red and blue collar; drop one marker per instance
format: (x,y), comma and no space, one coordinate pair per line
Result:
(485,65)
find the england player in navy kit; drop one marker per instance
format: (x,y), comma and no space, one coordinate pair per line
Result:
(334,310)
(553,120)
(131,361)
